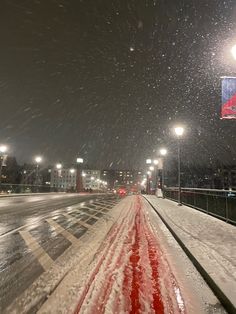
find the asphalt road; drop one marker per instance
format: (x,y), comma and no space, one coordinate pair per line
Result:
(36,230)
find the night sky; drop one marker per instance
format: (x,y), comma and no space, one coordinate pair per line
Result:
(108,79)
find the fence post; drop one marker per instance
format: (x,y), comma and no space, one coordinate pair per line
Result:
(226,207)
(207,204)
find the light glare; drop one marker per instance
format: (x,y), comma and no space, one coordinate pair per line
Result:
(233,51)
(179,130)
(38,159)
(79,160)
(163,151)
(3,148)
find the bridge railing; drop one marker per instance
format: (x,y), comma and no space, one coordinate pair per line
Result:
(7,188)
(219,203)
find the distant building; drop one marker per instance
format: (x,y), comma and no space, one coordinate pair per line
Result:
(91,179)
(28,175)
(66,179)
(63,179)
(228,178)
(127,178)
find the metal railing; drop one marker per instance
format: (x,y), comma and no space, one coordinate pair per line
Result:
(7,188)
(219,203)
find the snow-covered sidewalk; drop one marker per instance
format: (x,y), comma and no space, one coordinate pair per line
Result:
(210,241)
(138,268)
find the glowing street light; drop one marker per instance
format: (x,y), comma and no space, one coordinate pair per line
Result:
(58,166)
(79,160)
(3,149)
(151,168)
(179,130)
(72,171)
(233,51)
(38,159)
(163,151)
(155,161)
(148,161)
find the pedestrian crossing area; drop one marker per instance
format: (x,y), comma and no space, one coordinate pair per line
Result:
(35,247)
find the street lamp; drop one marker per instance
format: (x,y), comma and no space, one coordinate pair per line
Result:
(233,51)
(163,152)
(79,160)
(150,162)
(148,183)
(179,131)
(38,160)
(3,150)
(155,161)
(58,166)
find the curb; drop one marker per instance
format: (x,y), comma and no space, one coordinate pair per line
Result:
(26,194)
(227,304)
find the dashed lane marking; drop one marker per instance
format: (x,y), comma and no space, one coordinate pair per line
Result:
(78,221)
(43,258)
(64,232)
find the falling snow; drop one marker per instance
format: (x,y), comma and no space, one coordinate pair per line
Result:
(106,78)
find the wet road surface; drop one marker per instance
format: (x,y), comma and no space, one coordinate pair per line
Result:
(36,230)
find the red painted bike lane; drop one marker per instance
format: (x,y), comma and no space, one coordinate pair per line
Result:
(132,274)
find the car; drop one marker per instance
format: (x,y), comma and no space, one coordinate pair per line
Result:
(122,192)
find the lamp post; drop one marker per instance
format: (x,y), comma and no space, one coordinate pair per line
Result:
(179,131)
(79,162)
(58,177)
(156,162)
(148,182)
(3,150)
(150,163)
(58,166)
(163,152)
(38,160)
(151,168)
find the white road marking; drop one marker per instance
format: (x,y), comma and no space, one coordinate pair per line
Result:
(44,259)
(82,223)
(64,232)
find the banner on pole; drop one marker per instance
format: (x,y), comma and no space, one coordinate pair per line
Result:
(228,107)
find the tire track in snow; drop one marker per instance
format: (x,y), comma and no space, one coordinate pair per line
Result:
(131,274)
